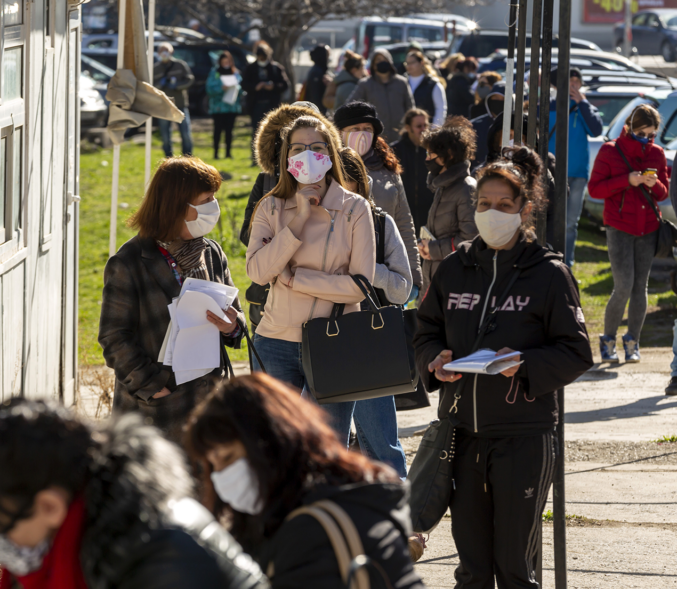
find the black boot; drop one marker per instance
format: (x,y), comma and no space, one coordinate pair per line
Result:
(671,389)
(216,154)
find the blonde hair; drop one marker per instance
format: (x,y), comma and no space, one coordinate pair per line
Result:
(287,184)
(427,67)
(449,63)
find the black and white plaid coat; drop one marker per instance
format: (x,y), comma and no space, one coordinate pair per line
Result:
(138,286)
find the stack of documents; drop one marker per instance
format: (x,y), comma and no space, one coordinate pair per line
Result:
(232,89)
(484,362)
(192,345)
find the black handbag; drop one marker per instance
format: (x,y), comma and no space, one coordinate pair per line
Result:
(357,356)
(667,232)
(431,474)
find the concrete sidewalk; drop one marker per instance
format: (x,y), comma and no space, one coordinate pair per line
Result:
(621,493)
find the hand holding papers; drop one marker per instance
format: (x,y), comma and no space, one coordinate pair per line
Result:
(232,88)
(484,362)
(192,346)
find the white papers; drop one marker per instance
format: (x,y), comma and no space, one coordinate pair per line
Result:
(232,89)
(192,345)
(484,362)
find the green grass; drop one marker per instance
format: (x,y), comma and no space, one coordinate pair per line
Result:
(666,440)
(593,271)
(548,516)
(96,166)
(592,267)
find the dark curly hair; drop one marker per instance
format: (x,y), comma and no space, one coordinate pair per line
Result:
(522,170)
(454,142)
(42,445)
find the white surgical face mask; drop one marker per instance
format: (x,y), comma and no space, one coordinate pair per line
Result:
(308,166)
(164,55)
(496,227)
(207,218)
(238,486)
(511,143)
(360,141)
(20,560)
(553,93)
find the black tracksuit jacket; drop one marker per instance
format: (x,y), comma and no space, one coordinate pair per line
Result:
(542,318)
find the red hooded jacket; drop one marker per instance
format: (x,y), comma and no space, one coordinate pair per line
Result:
(625,206)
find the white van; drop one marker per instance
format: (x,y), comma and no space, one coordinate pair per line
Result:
(373,31)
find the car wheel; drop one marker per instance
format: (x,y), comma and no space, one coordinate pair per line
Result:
(668,52)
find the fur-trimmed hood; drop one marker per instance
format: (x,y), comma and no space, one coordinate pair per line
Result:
(267,138)
(135,474)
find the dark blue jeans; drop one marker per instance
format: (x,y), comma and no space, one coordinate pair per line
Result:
(375,419)
(184,130)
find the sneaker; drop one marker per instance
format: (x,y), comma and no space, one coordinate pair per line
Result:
(671,389)
(607,348)
(631,347)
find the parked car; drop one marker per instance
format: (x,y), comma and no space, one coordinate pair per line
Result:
(198,51)
(482,43)
(98,72)
(654,32)
(610,100)
(93,109)
(373,31)
(665,100)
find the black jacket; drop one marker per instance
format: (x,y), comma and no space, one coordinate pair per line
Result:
(302,556)
(254,74)
(315,86)
(143,530)
(414,177)
(459,95)
(542,318)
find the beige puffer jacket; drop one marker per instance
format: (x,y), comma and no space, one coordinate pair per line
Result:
(336,242)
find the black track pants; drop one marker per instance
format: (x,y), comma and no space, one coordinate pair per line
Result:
(502,485)
(223,123)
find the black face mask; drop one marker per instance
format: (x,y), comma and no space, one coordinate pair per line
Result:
(383,67)
(496,107)
(433,167)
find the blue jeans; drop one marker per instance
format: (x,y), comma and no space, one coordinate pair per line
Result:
(673,364)
(184,129)
(574,209)
(282,360)
(376,424)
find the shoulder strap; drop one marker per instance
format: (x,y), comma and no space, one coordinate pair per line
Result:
(644,191)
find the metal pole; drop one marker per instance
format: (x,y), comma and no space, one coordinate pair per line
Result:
(150,51)
(521,55)
(533,73)
(112,248)
(627,34)
(546,64)
(509,74)
(559,239)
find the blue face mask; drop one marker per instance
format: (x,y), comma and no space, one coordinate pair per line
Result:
(642,140)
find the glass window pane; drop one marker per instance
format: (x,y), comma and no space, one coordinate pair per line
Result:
(3,152)
(12,67)
(16,178)
(13,10)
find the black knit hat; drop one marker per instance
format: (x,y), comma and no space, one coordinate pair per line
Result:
(356,112)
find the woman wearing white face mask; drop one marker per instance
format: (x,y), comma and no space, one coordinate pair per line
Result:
(307,237)
(255,487)
(143,277)
(504,450)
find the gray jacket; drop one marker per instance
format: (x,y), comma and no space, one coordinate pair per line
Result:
(345,85)
(174,77)
(391,100)
(388,193)
(394,277)
(451,218)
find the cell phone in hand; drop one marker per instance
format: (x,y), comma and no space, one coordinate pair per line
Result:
(650,172)
(424,232)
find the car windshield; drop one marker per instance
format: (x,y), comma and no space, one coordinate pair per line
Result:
(616,126)
(96,69)
(608,106)
(669,20)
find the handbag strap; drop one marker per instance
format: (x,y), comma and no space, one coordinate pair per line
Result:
(367,290)
(250,343)
(342,535)
(644,190)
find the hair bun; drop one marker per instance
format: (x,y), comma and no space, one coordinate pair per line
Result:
(526,159)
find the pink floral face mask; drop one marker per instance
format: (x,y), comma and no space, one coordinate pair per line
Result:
(309,167)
